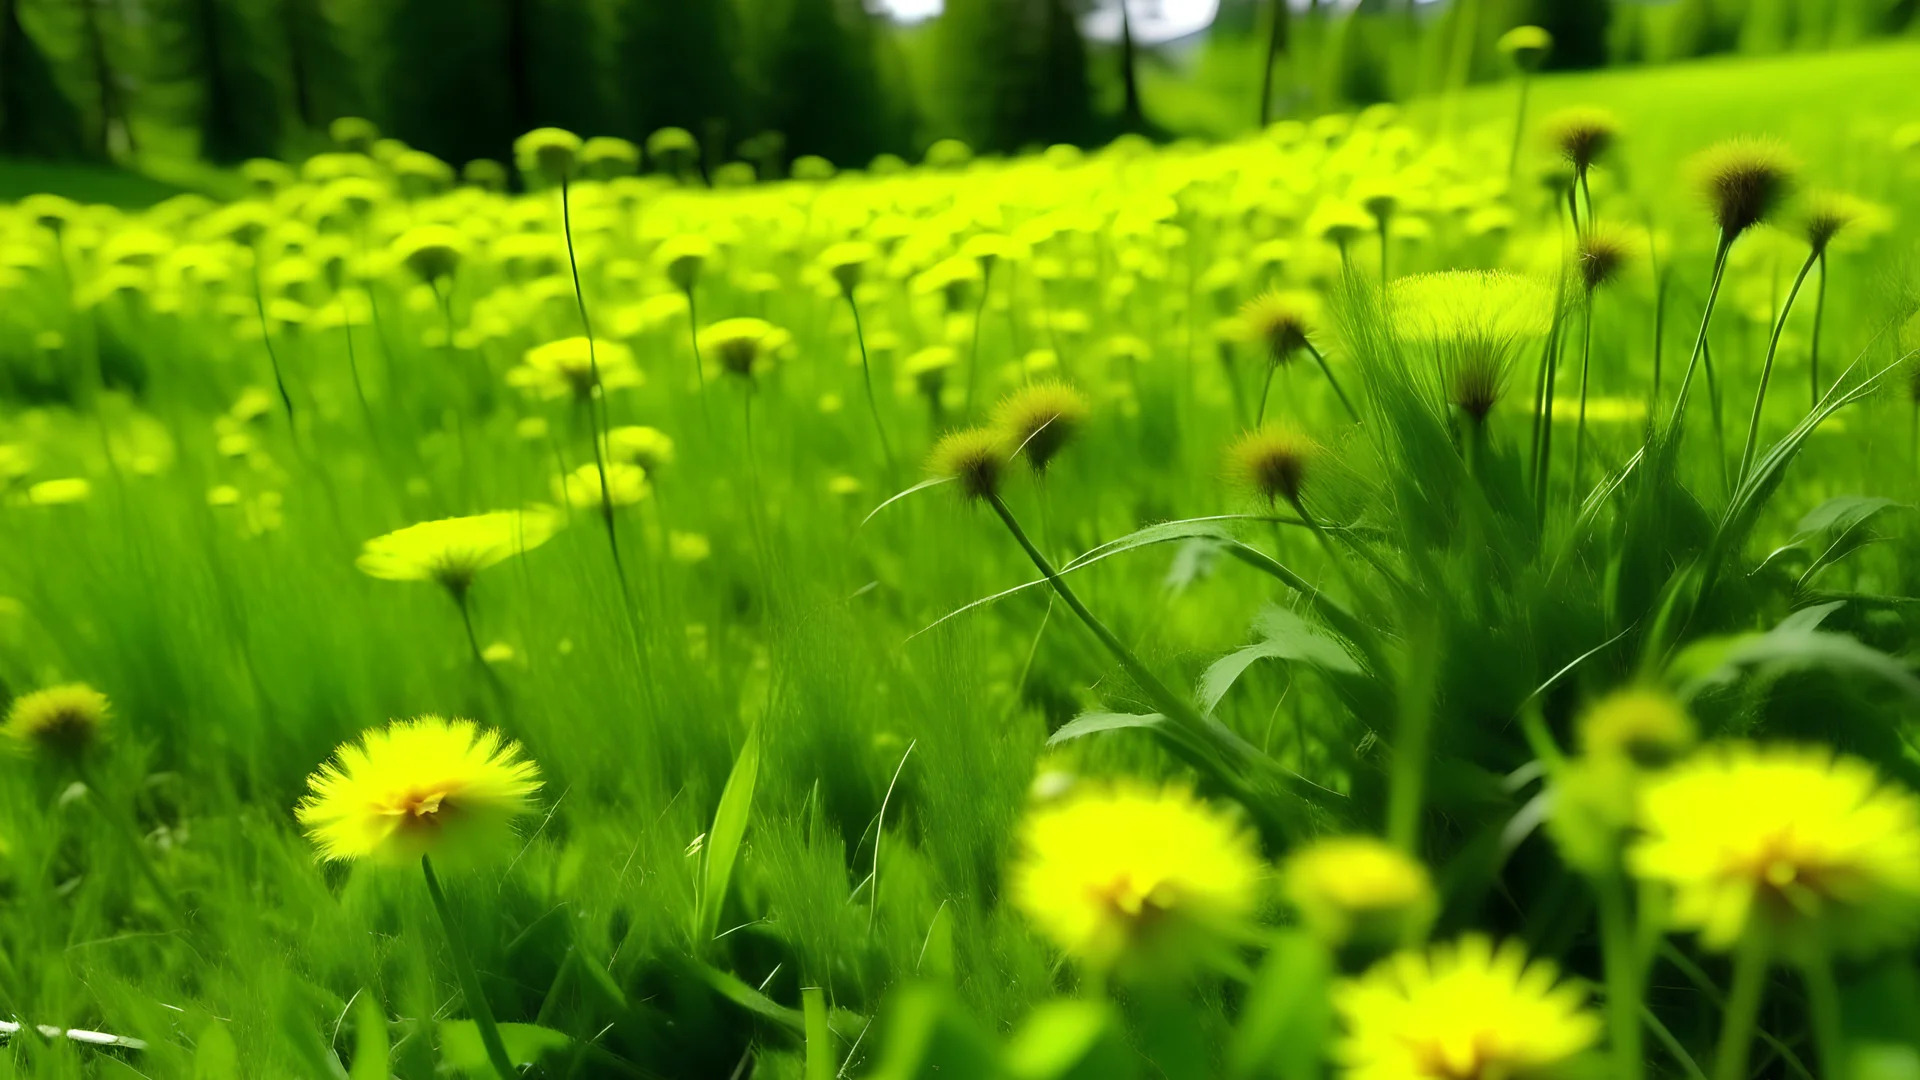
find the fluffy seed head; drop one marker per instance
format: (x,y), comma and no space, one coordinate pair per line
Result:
(976,457)
(1273,461)
(1829,213)
(1582,135)
(1602,252)
(60,721)
(1040,418)
(425,787)
(1744,180)
(1279,322)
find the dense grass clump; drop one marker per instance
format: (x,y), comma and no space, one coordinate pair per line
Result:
(937,623)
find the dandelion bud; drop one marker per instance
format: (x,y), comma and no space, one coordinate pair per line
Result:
(1359,890)
(1272,461)
(1744,180)
(1526,46)
(604,157)
(1582,135)
(1279,322)
(975,457)
(549,153)
(1040,418)
(432,252)
(59,721)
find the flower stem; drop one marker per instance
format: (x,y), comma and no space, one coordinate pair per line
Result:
(1623,977)
(1580,428)
(1742,1014)
(469,980)
(1266,388)
(1519,126)
(1700,339)
(122,827)
(973,351)
(596,423)
(1823,1008)
(266,339)
(873,403)
(1819,315)
(1766,369)
(1326,370)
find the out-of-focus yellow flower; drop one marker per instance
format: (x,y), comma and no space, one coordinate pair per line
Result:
(686,547)
(416,788)
(650,448)
(567,367)
(625,485)
(62,492)
(1126,876)
(60,721)
(452,550)
(1797,843)
(682,258)
(432,252)
(1461,1009)
(1349,888)
(741,346)
(1641,724)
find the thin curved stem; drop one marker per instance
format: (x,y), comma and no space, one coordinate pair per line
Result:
(1519,126)
(1623,978)
(1819,316)
(866,374)
(1766,369)
(1823,1010)
(1266,388)
(469,979)
(1586,363)
(1327,370)
(266,339)
(1700,339)
(973,350)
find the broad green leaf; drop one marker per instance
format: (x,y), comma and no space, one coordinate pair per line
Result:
(1287,1017)
(1283,636)
(462,1048)
(1070,1040)
(1720,661)
(1094,723)
(931,1037)
(370,1040)
(215,1057)
(729,828)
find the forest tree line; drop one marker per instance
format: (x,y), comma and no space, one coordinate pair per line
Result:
(226,80)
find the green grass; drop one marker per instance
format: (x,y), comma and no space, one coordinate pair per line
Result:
(240,645)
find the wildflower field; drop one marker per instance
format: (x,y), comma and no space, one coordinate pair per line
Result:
(1420,592)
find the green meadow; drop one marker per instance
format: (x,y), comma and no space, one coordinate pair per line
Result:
(1522,502)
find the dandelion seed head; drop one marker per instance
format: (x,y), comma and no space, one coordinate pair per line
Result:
(62,721)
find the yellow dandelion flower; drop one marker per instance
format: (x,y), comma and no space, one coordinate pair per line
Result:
(1462,1009)
(1131,874)
(650,448)
(568,366)
(1799,843)
(63,492)
(1348,887)
(975,457)
(1642,724)
(1273,461)
(428,786)
(625,485)
(452,550)
(63,721)
(686,547)
(741,345)
(432,252)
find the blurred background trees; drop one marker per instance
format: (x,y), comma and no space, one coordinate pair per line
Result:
(224,80)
